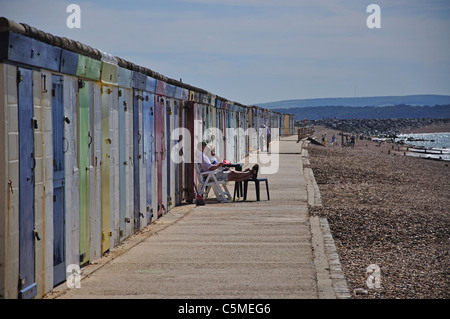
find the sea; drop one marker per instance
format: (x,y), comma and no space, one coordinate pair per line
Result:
(437,145)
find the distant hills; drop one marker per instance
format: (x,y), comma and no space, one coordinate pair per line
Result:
(413,100)
(379,107)
(369,112)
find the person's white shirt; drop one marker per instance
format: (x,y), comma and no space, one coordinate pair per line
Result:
(203,160)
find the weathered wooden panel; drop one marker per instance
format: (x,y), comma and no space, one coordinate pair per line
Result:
(170,90)
(194,96)
(95,173)
(148,121)
(69,62)
(178,93)
(106,156)
(72,172)
(89,68)
(114,166)
(136,159)
(185,94)
(123,162)
(27,164)
(175,155)
(46,56)
(161,87)
(124,77)
(138,80)
(109,69)
(85,141)
(181,93)
(160,149)
(20,48)
(59,265)
(150,84)
(170,126)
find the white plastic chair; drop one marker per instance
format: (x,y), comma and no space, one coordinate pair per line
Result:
(208,180)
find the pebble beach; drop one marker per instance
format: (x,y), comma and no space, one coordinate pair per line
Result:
(387,212)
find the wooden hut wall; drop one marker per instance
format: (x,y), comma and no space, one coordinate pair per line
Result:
(111,188)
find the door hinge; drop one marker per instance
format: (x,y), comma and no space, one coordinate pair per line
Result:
(21,282)
(81,84)
(19,77)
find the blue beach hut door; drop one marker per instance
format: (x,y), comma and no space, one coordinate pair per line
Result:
(27,163)
(59,268)
(122,161)
(160,149)
(136,141)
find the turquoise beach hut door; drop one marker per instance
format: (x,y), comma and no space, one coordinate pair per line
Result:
(59,268)
(27,163)
(148,128)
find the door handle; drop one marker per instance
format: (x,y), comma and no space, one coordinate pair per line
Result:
(33,166)
(36,234)
(90,139)
(66,143)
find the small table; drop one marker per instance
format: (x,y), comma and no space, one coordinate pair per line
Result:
(237,185)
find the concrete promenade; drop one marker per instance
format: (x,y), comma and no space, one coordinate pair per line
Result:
(266,249)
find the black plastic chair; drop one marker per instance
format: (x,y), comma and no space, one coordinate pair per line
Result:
(257,182)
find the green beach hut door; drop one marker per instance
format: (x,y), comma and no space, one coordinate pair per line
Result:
(59,265)
(27,163)
(86,139)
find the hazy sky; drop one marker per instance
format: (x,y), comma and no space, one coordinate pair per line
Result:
(253,51)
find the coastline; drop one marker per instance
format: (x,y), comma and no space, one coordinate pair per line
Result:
(388,210)
(445,128)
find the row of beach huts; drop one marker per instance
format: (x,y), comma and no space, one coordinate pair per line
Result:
(94,148)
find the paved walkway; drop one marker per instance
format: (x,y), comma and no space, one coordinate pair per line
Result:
(265,249)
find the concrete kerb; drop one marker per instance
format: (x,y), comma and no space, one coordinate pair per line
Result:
(331,281)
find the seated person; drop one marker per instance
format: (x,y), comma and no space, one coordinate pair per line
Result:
(232,176)
(214,158)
